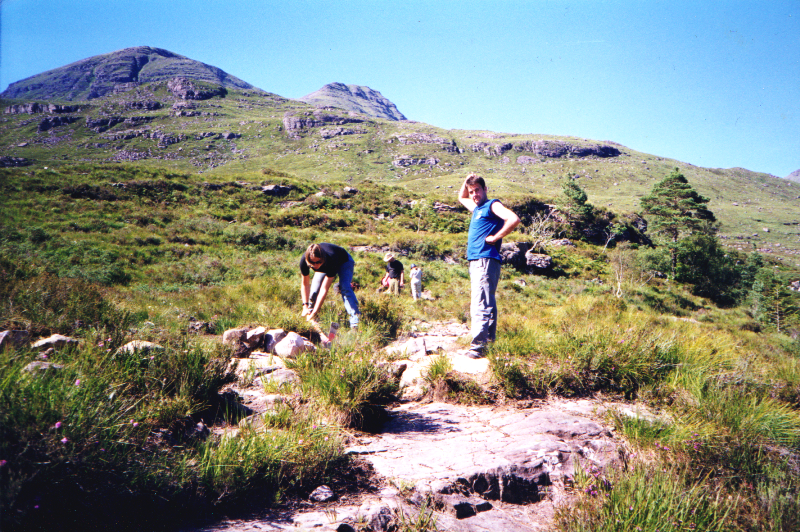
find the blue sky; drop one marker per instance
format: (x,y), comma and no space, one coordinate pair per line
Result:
(712,83)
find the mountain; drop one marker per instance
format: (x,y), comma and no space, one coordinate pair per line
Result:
(192,124)
(794,176)
(100,75)
(354,98)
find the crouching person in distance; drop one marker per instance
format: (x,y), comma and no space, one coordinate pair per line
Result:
(327,261)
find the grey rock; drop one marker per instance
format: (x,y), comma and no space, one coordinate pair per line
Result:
(281,377)
(41,367)
(377,515)
(142,347)
(322,494)
(276,190)
(15,338)
(290,346)
(538,261)
(255,337)
(462,507)
(186,89)
(12,162)
(56,341)
(198,432)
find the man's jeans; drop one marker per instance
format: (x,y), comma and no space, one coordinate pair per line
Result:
(345,288)
(484,274)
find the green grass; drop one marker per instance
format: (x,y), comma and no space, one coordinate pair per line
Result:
(167,249)
(646,499)
(738,197)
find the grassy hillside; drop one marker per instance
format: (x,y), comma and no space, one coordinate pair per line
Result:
(756,211)
(165,229)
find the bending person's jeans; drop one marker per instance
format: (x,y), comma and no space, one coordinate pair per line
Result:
(345,288)
(484,274)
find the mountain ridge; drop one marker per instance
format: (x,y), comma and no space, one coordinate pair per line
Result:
(196,127)
(356,98)
(100,75)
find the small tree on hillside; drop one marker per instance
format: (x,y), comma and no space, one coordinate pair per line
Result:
(674,209)
(574,205)
(771,301)
(575,202)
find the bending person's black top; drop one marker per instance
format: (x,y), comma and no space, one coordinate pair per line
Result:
(334,257)
(394,268)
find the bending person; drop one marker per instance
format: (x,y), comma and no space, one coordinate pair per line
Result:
(327,261)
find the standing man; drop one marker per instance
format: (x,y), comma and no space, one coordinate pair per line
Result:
(395,272)
(490,222)
(327,261)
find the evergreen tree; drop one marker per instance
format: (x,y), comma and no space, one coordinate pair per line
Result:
(575,202)
(704,263)
(674,209)
(579,213)
(771,301)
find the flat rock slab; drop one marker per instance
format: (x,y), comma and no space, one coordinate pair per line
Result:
(439,441)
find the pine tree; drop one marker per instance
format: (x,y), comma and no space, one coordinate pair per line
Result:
(575,203)
(674,209)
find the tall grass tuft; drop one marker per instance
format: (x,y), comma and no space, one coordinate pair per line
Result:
(346,384)
(648,499)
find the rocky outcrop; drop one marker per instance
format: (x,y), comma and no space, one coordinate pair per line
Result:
(145,105)
(447,145)
(404,161)
(12,162)
(99,125)
(295,123)
(33,108)
(186,89)
(55,121)
(339,131)
(794,176)
(552,149)
(522,256)
(277,190)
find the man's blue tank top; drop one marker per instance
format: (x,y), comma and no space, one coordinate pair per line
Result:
(483,223)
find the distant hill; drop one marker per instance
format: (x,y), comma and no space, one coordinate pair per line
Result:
(198,122)
(354,98)
(794,176)
(100,75)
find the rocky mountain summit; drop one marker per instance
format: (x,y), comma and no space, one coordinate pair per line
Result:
(794,176)
(354,98)
(104,74)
